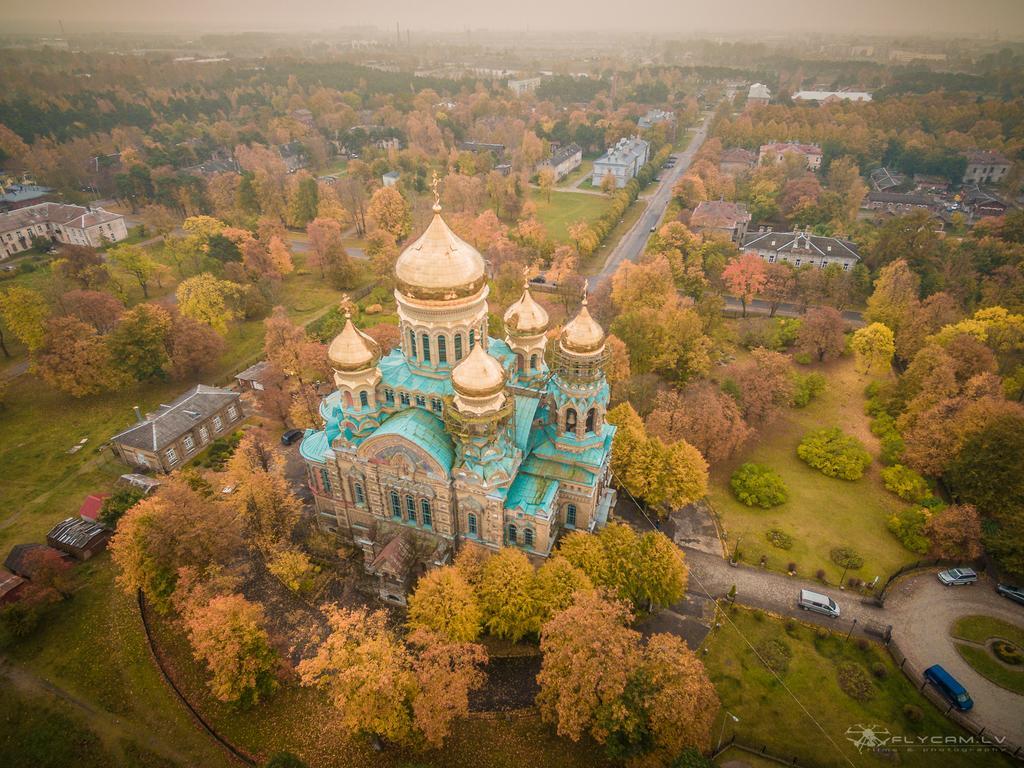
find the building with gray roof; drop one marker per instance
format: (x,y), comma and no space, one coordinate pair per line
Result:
(802,248)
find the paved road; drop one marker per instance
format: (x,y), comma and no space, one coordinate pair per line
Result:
(785,309)
(632,243)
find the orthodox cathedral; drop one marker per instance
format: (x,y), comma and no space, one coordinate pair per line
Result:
(458,439)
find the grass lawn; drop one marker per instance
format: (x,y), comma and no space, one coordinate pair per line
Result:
(979,630)
(769,716)
(986,665)
(567,208)
(822,512)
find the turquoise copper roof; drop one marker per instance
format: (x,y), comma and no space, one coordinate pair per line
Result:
(532,494)
(314,445)
(559,470)
(425,430)
(526,407)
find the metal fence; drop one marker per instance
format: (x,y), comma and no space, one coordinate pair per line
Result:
(919,565)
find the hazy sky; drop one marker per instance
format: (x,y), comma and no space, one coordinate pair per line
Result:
(923,17)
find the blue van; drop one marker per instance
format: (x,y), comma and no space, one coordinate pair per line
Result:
(949,687)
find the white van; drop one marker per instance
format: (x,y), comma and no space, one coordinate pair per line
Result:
(814,601)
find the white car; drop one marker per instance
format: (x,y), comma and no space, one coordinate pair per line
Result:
(957,576)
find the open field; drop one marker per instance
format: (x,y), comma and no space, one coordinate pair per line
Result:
(566,208)
(822,512)
(813,727)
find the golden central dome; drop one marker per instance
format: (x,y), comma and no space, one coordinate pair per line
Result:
(440,265)
(526,317)
(582,334)
(479,375)
(352,350)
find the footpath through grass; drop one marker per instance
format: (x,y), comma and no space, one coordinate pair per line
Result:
(822,512)
(809,664)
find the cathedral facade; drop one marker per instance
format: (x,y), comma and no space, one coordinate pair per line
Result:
(455,438)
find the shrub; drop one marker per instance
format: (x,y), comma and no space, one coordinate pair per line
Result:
(779,539)
(758,486)
(854,681)
(792,628)
(1008,653)
(807,388)
(834,454)
(17,621)
(845,557)
(912,713)
(775,654)
(879,670)
(892,448)
(862,644)
(791,567)
(820,574)
(905,483)
(758,615)
(853,582)
(788,329)
(221,450)
(119,502)
(821,633)
(908,526)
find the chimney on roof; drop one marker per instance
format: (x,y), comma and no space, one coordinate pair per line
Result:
(138,412)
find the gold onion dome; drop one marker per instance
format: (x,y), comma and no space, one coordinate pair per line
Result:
(479,375)
(440,265)
(582,334)
(526,317)
(352,350)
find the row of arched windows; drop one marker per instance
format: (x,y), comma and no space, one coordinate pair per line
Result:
(421,346)
(534,362)
(513,536)
(408,510)
(364,399)
(571,420)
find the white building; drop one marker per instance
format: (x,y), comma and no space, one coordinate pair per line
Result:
(623,161)
(526,85)
(70,224)
(390,178)
(985,167)
(775,152)
(563,161)
(758,95)
(801,249)
(827,97)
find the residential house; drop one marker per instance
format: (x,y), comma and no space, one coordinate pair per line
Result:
(882,179)
(773,153)
(758,96)
(165,440)
(985,167)
(623,161)
(251,379)
(70,224)
(897,202)
(563,160)
(11,587)
(655,117)
(720,218)
(79,538)
(801,248)
(26,560)
(830,97)
(294,156)
(736,160)
(390,178)
(526,85)
(983,204)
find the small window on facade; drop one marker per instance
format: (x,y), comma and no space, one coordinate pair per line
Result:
(442,349)
(218,424)
(472,338)
(421,401)
(512,534)
(528,537)
(172,456)
(325,481)
(389,396)
(534,365)
(364,400)
(471,524)
(405,398)
(360,496)
(232,413)
(189,442)
(412,343)
(425,343)
(458,346)
(570,516)
(410,509)
(591,419)
(425,515)
(435,404)
(204,435)
(396,505)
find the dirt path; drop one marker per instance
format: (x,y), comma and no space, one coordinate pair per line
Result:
(111,730)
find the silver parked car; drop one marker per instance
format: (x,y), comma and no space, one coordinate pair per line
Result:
(955,576)
(1011,592)
(817,602)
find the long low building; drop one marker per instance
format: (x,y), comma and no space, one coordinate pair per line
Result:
(60,222)
(563,160)
(801,248)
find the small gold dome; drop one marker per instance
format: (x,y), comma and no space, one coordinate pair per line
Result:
(479,375)
(582,334)
(352,350)
(440,265)
(526,317)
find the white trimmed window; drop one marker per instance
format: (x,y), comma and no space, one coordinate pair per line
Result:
(204,435)
(218,423)
(172,456)
(232,412)
(189,442)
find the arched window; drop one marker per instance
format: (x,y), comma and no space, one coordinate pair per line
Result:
(348,399)
(325,481)
(591,419)
(534,363)
(425,515)
(471,524)
(472,339)
(364,400)
(360,496)
(412,343)
(458,346)
(442,349)
(570,516)
(570,419)
(520,362)
(410,509)
(528,537)
(425,343)
(512,534)
(396,505)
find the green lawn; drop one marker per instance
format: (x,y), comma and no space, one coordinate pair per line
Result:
(585,169)
(980,630)
(986,665)
(822,512)
(567,208)
(812,728)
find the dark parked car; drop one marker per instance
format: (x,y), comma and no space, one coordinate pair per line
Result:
(949,687)
(1011,592)
(291,436)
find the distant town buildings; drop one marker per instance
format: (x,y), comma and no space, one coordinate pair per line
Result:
(773,153)
(984,167)
(70,224)
(758,95)
(882,179)
(900,56)
(390,178)
(655,117)
(827,97)
(563,160)
(294,156)
(720,218)
(498,150)
(623,161)
(897,202)
(801,248)
(526,85)
(165,440)
(736,160)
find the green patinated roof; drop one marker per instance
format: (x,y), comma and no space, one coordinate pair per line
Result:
(397,374)
(526,407)
(531,493)
(557,470)
(425,430)
(314,445)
